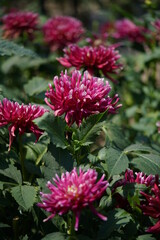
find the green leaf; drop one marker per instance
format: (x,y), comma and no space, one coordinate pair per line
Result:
(55,127)
(24,195)
(147,163)
(55,236)
(139,147)
(115,161)
(145,237)
(10,48)
(35,86)
(116,219)
(13,173)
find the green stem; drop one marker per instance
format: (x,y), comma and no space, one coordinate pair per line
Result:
(22,158)
(71,223)
(15,224)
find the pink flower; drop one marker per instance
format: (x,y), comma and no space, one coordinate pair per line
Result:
(20,117)
(92,58)
(18,23)
(80,96)
(73,192)
(127,29)
(156,24)
(158,125)
(61,31)
(151,207)
(140,178)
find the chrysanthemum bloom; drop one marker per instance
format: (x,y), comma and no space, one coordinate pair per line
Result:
(20,117)
(15,24)
(92,58)
(73,192)
(151,207)
(140,178)
(79,96)
(127,29)
(61,31)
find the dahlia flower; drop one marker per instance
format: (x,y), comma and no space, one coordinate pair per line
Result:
(92,58)
(80,96)
(61,31)
(73,192)
(20,117)
(140,178)
(18,23)
(127,29)
(151,207)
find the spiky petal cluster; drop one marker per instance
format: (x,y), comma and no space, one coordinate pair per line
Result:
(140,178)
(79,96)
(20,117)
(125,28)
(92,58)
(151,207)
(17,23)
(61,31)
(73,192)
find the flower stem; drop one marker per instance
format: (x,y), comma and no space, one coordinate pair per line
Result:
(71,223)
(21,152)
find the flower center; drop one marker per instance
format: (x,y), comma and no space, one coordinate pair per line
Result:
(73,190)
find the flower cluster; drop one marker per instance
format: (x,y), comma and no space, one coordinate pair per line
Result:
(151,207)
(73,192)
(127,29)
(15,24)
(80,96)
(20,117)
(92,58)
(61,31)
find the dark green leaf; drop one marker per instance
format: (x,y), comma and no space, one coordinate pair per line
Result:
(35,86)
(13,173)
(55,236)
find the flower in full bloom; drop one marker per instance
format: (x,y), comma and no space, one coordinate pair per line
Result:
(125,28)
(20,117)
(151,207)
(73,192)
(61,31)
(15,24)
(80,96)
(92,58)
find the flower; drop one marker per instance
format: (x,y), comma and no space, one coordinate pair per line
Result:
(17,23)
(92,58)
(61,31)
(141,178)
(73,192)
(151,207)
(125,28)
(20,117)
(80,96)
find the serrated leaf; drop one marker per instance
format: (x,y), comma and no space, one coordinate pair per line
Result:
(55,127)
(146,237)
(115,161)
(54,236)
(35,86)
(10,48)
(24,195)
(13,173)
(147,163)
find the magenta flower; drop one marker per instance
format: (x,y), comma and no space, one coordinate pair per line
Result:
(80,96)
(127,29)
(92,58)
(20,117)
(73,192)
(140,178)
(16,24)
(61,31)
(151,207)
(158,125)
